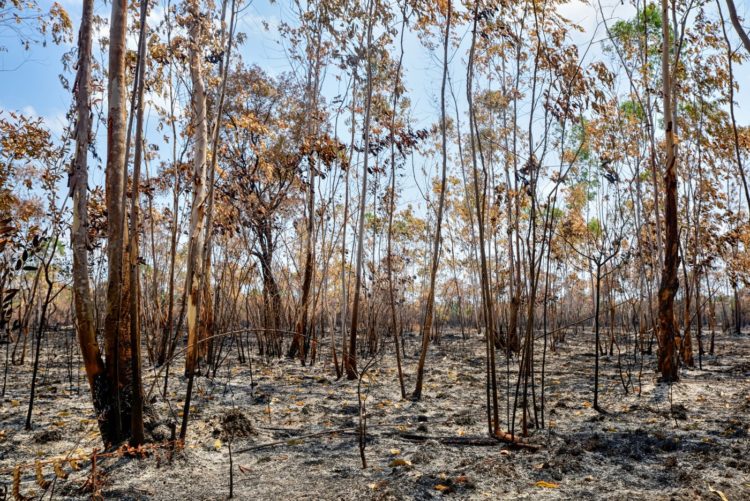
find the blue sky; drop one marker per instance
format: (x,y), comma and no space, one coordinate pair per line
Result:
(29,79)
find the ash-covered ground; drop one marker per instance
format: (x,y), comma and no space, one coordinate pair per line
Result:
(293,431)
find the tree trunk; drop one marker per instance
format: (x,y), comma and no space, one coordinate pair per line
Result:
(136,417)
(597,293)
(301,327)
(168,334)
(116,331)
(350,359)
(736,308)
(392,210)
(427,324)
(737,25)
(82,298)
(475,141)
(194,278)
(669,281)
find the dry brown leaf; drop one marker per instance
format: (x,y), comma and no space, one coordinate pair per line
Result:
(40,480)
(59,472)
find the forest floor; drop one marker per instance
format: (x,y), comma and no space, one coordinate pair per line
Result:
(687,441)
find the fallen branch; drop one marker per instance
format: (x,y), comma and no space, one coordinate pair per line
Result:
(479,441)
(294,439)
(516,440)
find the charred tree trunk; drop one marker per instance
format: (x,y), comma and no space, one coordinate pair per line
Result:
(116,331)
(493,424)
(668,354)
(99,384)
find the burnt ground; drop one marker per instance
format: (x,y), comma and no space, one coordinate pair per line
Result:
(687,441)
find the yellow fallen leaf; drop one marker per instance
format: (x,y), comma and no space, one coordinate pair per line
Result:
(718,493)
(587,404)
(15,403)
(217,444)
(547,485)
(399,462)
(442,488)
(395,452)
(376,486)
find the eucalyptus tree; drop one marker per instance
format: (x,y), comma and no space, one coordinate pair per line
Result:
(426,329)
(369,18)
(117,319)
(83,301)
(668,362)
(194,280)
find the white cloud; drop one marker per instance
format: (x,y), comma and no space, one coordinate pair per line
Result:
(55,121)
